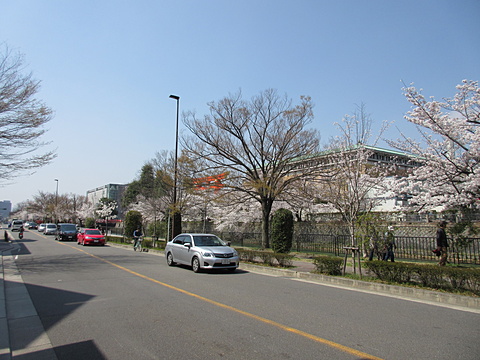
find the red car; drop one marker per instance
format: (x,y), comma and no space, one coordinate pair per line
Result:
(90,237)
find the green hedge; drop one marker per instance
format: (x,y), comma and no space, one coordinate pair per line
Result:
(431,276)
(328,265)
(266,257)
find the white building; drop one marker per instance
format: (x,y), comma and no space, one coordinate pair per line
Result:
(109,191)
(5,209)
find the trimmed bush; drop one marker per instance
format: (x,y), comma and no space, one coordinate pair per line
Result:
(328,265)
(266,257)
(431,276)
(246,255)
(282,231)
(391,271)
(472,281)
(284,260)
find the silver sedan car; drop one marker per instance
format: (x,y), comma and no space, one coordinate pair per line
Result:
(201,251)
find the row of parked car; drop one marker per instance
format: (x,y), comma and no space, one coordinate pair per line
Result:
(200,251)
(70,232)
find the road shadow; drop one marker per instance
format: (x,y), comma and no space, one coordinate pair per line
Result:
(211,271)
(77,351)
(52,306)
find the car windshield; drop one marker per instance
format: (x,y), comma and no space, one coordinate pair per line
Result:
(51,226)
(93,232)
(207,240)
(68,227)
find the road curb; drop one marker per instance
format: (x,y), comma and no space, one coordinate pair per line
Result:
(471,303)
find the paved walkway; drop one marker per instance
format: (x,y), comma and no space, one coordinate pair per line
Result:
(22,334)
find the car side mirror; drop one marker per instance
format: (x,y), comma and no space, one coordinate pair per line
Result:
(188,245)
(229,243)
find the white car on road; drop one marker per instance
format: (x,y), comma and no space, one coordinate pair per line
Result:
(201,251)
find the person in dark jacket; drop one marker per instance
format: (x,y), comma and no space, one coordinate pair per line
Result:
(442,243)
(137,234)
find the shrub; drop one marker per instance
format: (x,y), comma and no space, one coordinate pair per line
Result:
(282,231)
(431,276)
(284,260)
(147,243)
(90,222)
(472,281)
(391,271)
(328,265)
(246,255)
(266,257)
(457,277)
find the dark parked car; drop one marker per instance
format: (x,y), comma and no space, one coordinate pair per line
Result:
(66,232)
(31,225)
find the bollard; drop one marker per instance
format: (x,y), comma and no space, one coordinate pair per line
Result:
(6,236)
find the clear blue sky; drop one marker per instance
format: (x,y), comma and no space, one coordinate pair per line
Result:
(108,67)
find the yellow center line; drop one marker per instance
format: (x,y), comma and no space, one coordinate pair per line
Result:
(318,339)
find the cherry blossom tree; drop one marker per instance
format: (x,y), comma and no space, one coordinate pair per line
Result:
(107,210)
(448,148)
(86,210)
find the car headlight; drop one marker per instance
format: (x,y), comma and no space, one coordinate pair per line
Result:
(207,254)
(235,253)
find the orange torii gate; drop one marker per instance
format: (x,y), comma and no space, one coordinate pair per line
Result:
(209,182)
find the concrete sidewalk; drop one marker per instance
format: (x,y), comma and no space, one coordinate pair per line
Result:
(22,332)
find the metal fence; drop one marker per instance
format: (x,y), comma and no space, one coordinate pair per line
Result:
(407,247)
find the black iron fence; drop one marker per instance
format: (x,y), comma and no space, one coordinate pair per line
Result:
(407,247)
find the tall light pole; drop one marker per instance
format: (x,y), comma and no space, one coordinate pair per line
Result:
(56,201)
(177,98)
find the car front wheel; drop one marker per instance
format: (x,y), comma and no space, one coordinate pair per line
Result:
(195,264)
(170,261)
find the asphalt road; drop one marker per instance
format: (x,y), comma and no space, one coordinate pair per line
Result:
(114,303)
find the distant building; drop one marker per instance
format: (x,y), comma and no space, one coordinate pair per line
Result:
(399,164)
(109,191)
(5,209)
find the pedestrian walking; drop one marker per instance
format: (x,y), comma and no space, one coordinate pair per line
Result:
(374,248)
(389,245)
(442,243)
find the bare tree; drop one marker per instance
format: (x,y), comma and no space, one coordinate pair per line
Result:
(22,118)
(256,143)
(42,205)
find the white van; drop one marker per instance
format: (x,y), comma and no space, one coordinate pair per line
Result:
(17,225)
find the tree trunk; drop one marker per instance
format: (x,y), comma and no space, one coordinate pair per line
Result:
(266,210)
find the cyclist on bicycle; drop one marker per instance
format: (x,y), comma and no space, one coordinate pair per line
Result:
(137,234)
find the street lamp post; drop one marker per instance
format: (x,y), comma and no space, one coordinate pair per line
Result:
(174,223)
(56,201)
